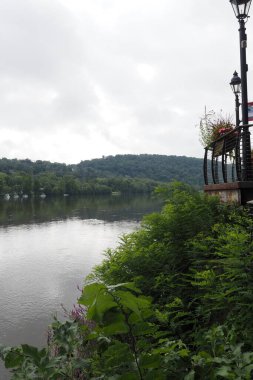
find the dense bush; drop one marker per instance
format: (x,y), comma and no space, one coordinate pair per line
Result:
(173,301)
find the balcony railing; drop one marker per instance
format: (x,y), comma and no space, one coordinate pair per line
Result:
(228,159)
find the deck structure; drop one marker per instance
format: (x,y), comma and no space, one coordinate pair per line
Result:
(228,166)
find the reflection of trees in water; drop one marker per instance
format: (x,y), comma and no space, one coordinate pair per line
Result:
(108,208)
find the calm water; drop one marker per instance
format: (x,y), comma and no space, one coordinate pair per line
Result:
(47,247)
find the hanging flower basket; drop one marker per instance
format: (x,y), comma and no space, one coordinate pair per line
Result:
(220,132)
(213,127)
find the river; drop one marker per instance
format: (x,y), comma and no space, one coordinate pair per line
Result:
(47,247)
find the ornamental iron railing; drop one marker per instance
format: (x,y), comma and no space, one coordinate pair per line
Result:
(228,159)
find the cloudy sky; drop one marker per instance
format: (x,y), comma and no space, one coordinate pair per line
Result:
(84,78)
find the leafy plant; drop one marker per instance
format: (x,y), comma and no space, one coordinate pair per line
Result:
(64,357)
(212,126)
(173,301)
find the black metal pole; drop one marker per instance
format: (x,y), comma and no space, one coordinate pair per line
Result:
(237,107)
(237,148)
(244,69)
(246,149)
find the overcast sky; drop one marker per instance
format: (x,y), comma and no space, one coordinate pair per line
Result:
(84,78)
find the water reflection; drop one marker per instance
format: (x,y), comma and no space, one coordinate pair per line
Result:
(107,208)
(47,247)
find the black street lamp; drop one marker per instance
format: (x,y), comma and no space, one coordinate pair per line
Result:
(241,10)
(235,84)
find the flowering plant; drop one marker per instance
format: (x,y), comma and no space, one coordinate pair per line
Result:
(223,131)
(220,131)
(214,126)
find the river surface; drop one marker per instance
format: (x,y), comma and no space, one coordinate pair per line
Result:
(47,247)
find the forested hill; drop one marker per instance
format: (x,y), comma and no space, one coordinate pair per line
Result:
(151,166)
(157,167)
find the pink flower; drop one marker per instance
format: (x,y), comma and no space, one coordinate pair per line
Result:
(222,131)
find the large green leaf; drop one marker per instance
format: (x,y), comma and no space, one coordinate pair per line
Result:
(150,361)
(144,328)
(115,323)
(118,354)
(130,301)
(90,292)
(13,359)
(126,285)
(190,375)
(98,300)
(224,371)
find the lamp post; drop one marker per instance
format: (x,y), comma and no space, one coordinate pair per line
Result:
(241,10)
(235,84)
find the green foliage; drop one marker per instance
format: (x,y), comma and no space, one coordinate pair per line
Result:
(62,359)
(222,275)
(155,256)
(153,166)
(124,173)
(173,301)
(128,341)
(50,184)
(220,357)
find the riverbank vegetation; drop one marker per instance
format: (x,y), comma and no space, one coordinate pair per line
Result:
(121,173)
(172,301)
(49,184)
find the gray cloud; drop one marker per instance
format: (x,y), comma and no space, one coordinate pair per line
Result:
(80,79)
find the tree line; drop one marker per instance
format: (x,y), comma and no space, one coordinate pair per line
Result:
(157,167)
(50,184)
(124,173)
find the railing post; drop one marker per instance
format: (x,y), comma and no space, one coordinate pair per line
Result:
(224,161)
(238,157)
(205,167)
(246,156)
(212,164)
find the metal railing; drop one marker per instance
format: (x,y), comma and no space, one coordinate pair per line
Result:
(228,159)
